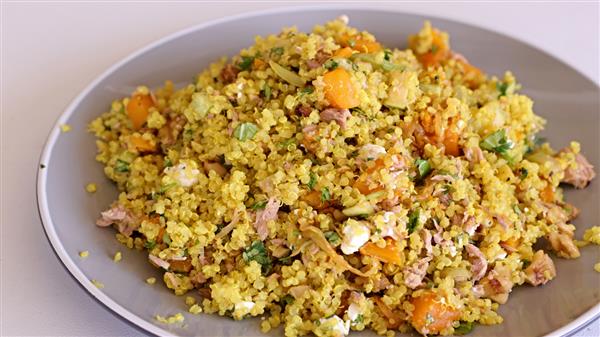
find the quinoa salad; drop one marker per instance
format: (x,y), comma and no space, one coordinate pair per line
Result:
(326,183)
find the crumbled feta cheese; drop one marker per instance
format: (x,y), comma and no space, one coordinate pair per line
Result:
(389,220)
(356,234)
(353,311)
(244,306)
(371,152)
(184,173)
(336,325)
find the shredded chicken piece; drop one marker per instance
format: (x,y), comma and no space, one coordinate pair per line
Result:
(563,245)
(473,154)
(197,277)
(498,284)
(478,262)
(426,236)
(159,262)
(170,131)
(303,110)
(334,114)
(318,60)
(582,174)
(413,275)
(122,217)
(265,215)
(541,269)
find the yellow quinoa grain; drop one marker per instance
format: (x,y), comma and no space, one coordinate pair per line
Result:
(91,188)
(177,318)
(118,256)
(84,254)
(98,284)
(195,309)
(151,280)
(65,128)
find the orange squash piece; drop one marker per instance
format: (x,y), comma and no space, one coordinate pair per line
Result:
(141,144)
(431,315)
(388,254)
(339,89)
(360,44)
(438,52)
(138,109)
(343,52)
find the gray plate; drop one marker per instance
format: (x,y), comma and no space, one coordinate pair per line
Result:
(563,96)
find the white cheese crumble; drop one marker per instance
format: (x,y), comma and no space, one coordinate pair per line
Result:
(185,174)
(371,152)
(356,234)
(336,325)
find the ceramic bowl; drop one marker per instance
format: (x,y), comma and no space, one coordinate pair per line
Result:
(567,99)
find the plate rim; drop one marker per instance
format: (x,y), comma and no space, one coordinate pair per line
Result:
(68,263)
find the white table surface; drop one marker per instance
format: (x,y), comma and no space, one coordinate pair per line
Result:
(51,51)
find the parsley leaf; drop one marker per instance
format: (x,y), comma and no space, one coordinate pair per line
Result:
(333,238)
(307,90)
(434,48)
(168,162)
(413,221)
(502,88)
(523,173)
(464,328)
(387,54)
(359,319)
(266,91)
(121,166)
(245,131)
(325,194)
(149,244)
(313,181)
(246,62)
(166,238)
(277,51)
(287,299)
(259,205)
(497,142)
(257,252)
(331,64)
(423,168)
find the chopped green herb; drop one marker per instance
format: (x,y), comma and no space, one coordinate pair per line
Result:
(149,244)
(516,209)
(351,43)
(166,239)
(354,66)
(534,143)
(359,319)
(325,194)
(413,221)
(286,143)
(168,162)
(245,131)
(502,87)
(277,51)
(389,66)
(447,188)
(331,64)
(526,263)
(387,54)
(313,181)
(307,90)
(497,142)
(259,205)
(464,328)
(333,238)
(257,252)
(287,299)
(166,187)
(434,48)
(423,168)
(246,62)
(523,173)
(267,91)
(121,166)
(286,260)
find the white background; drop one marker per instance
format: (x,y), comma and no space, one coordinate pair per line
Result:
(51,51)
